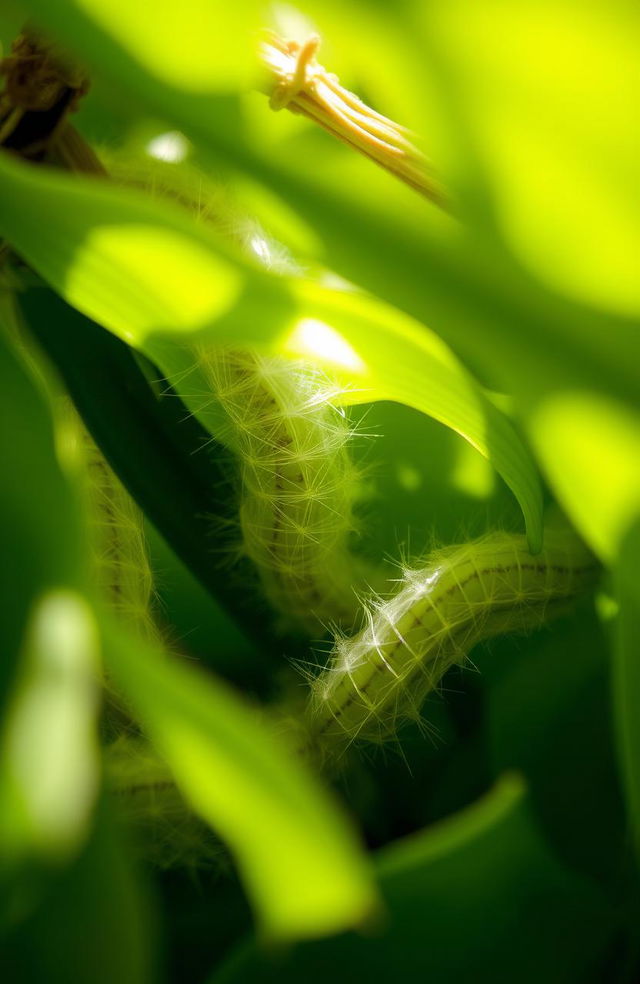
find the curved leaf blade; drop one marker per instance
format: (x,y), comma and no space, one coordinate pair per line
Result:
(102,248)
(299,858)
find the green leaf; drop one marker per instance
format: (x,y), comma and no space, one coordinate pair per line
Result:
(383,354)
(478,897)
(298,856)
(458,279)
(145,271)
(540,283)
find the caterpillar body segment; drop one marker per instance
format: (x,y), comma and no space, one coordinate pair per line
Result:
(120,563)
(465,594)
(297,483)
(165,830)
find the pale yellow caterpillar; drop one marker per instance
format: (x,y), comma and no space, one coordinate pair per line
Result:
(463,595)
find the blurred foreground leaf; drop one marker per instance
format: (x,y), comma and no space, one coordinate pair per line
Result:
(545,91)
(298,856)
(49,772)
(589,444)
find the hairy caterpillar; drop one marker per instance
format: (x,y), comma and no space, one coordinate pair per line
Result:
(463,595)
(164,829)
(298,482)
(121,570)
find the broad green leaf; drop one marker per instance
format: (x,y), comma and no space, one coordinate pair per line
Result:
(49,771)
(145,271)
(478,897)
(544,93)
(626,672)
(297,854)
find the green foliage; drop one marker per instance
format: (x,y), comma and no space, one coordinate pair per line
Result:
(510,322)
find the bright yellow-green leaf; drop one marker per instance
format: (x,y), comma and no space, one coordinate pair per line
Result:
(390,242)
(298,856)
(148,273)
(183,286)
